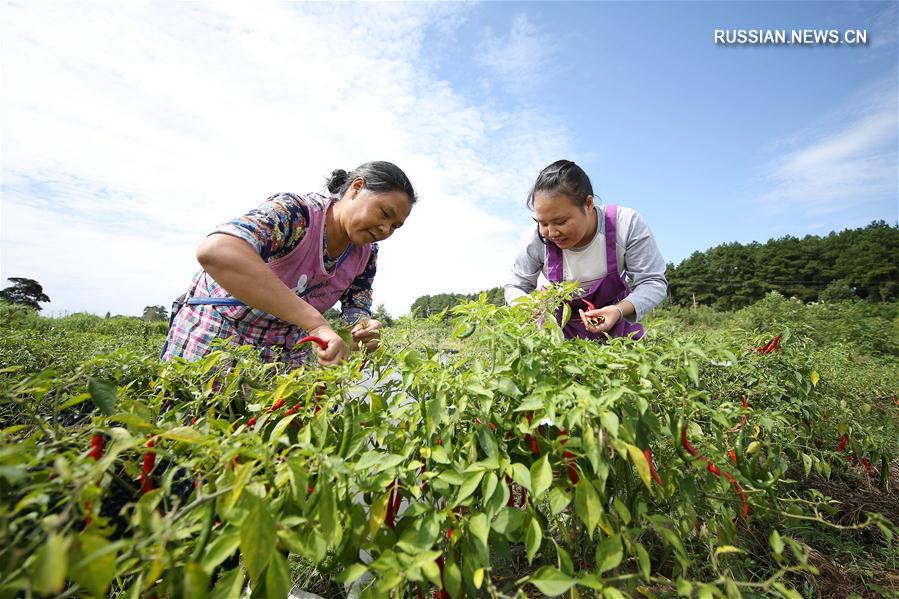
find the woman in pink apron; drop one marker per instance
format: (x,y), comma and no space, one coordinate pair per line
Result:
(269,275)
(608,249)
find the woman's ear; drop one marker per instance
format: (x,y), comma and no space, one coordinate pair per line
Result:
(589,202)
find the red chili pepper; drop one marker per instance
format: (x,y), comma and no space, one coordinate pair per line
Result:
(441,594)
(572,471)
(313,339)
(685,443)
(739,490)
(392,505)
(732,455)
(743,401)
(251,422)
(293,410)
(593,321)
(842,444)
(866,464)
(146,481)
(98,442)
(647,453)
(309,489)
(276,405)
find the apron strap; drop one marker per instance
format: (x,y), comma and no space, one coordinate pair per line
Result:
(554,265)
(611,218)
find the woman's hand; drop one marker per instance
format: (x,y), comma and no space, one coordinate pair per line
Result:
(604,318)
(367,333)
(336,350)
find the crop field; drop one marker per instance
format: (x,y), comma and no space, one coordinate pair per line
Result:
(477,453)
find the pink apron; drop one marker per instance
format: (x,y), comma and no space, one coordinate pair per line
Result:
(608,290)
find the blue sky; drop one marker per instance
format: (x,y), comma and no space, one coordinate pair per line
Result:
(128,132)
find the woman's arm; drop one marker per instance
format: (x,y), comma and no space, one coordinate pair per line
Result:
(527,266)
(240,270)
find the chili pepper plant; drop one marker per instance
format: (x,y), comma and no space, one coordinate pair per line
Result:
(523,464)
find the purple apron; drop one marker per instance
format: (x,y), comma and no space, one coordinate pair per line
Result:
(608,290)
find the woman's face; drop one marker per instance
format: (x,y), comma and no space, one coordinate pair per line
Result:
(375,215)
(562,221)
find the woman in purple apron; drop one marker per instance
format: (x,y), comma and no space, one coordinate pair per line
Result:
(269,276)
(601,247)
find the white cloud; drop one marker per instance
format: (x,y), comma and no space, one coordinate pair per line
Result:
(519,58)
(839,162)
(130,131)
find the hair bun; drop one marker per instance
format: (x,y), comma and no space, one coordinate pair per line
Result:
(336,180)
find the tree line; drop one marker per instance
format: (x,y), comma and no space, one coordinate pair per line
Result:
(850,265)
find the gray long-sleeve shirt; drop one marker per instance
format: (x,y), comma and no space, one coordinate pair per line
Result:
(638,257)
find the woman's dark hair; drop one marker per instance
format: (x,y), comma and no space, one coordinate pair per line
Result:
(378,176)
(563,177)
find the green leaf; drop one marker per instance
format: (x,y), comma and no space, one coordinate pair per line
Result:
(640,464)
(439,455)
(558,500)
(352,573)
(196,580)
(727,549)
(521,475)
(776,542)
(551,581)
(612,593)
(566,314)
(432,572)
(609,553)
(533,537)
(693,371)
(684,588)
(229,585)
(807,463)
(623,512)
(93,563)
(182,434)
(530,403)
(479,527)
(51,565)
(452,578)
(277,576)
(541,476)
(610,422)
(507,387)
(103,394)
(786,592)
(282,426)
(509,520)
(220,549)
(327,513)
(257,541)
(472,480)
(586,505)
(643,562)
